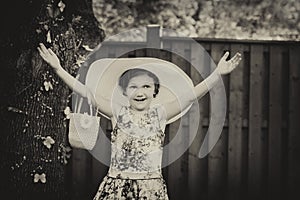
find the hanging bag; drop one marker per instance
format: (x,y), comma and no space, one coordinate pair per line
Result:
(83,127)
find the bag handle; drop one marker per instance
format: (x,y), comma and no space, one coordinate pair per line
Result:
(77,109)
(78,105)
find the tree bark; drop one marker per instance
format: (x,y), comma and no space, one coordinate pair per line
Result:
(34,98)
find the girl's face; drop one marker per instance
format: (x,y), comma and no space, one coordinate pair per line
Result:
(140,92)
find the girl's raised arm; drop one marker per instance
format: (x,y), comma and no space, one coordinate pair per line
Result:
(51,58)
(224,67)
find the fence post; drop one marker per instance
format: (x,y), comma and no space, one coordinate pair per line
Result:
(293,172)
(235,132)
(256,158)
(275,146)
(153,36)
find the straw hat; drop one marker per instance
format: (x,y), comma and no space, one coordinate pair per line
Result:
(103,75)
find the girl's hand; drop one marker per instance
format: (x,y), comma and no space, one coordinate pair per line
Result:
(49,56)
(225,67)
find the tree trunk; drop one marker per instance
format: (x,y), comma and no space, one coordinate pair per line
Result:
(35,150)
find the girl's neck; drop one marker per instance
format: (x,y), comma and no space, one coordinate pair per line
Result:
(139,117)
(138,112)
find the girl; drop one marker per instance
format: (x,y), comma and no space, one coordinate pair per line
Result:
(138,129)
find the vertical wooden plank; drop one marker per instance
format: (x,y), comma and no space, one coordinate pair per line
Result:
(81,159)
(166,45)
(245,117)
(153,41)
(155,49)
(275,124)
(294,125)
(255,117)
(235,138)
(177,171)
(79,174)
(97,176)
(165,54)
(197,168)
(206,99)
(285,117)
(205,106)
(246,85)
(217,159)
(99,170)
(265,120)
(153,36)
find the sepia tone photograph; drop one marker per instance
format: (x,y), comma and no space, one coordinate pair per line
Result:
(150,99)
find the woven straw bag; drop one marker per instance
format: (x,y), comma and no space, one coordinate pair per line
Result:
(83,128)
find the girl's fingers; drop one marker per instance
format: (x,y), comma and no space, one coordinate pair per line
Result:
(41,53)
(43,48)
(236,58)
(43,57)
(225,56)
(45,51)
(39,50)
(51,52)
(234,61)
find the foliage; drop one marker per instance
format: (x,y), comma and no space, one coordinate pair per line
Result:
(236,19)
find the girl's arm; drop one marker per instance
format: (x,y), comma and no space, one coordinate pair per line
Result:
(51,58)
(224,67)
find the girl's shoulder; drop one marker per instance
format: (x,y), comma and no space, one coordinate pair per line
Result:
(160,111)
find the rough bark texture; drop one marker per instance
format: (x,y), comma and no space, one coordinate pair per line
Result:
(34,98)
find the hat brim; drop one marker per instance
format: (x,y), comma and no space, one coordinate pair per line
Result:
(103,75)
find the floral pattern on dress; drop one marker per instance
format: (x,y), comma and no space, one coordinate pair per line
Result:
(136,155)
(125,189)
(137,145)
(145,124)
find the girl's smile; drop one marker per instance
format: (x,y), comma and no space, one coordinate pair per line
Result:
(140,92)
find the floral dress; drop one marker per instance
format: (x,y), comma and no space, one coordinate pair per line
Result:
(136,155)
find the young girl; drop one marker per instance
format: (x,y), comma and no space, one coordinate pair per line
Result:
(138,129)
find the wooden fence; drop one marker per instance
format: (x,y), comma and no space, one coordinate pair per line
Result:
(256,156)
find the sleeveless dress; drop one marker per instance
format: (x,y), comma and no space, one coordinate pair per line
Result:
(136,155)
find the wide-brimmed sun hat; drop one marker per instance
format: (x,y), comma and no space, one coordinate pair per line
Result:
(175,85)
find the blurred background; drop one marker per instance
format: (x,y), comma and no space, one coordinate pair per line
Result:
(257,156)
(234,19)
